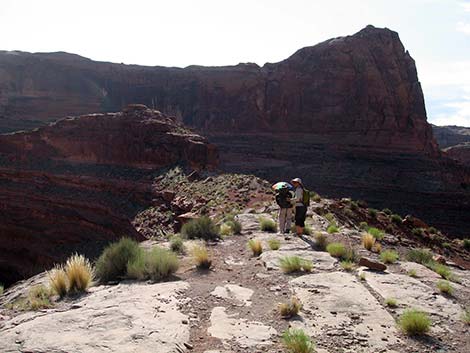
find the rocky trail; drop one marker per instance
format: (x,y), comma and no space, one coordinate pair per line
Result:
(233,307)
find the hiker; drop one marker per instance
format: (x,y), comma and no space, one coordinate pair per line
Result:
(284,196)
(300,201)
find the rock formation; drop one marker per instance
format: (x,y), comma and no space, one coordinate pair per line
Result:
(455,141)
(75,185)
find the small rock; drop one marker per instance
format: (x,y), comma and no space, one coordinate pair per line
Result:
(373,265)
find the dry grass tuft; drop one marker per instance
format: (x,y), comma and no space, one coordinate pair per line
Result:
(290,264)
(389,256)
(255,246)
(201,257)
(58,281)
(368,241)
(414,322)
(321,241)
(290,309)
(391,302)
(347,265)
(274,244)
(267,225)
(39,297)
(79,273)
(445,287)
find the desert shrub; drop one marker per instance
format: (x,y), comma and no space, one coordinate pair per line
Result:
(58,281)
(267,225)
(412,273)
(136,269)
(445,287)
(332,228)
(387,211)
(274,244)
(290,309)
(391,302)
(363,225)
(112,264)
(39,297)
(79,273)
(336,249)
(201,257)
(321,241)
(347,265)
(466,316)
(466,244)
(372,212)
(177,244)
(368,241)
(236,226)
(290,264)
(255,246)
(420,256)
(414,322)
(446,245)
(200,228)
(376,233)
(432,230)
(296,341)
(330,217)
(160,264)
(417,231)
(396,219)
(389,256)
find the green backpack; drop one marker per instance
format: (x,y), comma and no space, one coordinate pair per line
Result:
(306,197)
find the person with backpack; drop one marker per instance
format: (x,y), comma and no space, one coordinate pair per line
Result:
(300,201)
(283,199)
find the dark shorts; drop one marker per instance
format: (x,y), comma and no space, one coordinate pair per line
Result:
(300,214)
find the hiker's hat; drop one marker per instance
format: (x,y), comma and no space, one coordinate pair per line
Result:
(296,180)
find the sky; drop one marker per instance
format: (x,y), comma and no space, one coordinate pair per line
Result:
(226,32)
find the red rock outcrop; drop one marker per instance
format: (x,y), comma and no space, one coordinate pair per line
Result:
(75,185)
(460,152)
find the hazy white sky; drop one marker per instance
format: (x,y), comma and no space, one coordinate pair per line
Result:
(217,32)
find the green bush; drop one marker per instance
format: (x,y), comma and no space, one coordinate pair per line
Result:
(236,226)
(336,249)
(414,322)
(442,270)
(296,341)
(389,256)
(387,211)
(290,264)
(396,219)
(112,264)
(200,228)
(267,225)
(466,244)
(391,302)
(157,264)
(376,233)
(274,244)
(420,256)
(363,225)
(330,217)
(347,265)
(445,287)
(432,230)
(417,231)
(372,212)
(321,241)
(332,228)
(177,244)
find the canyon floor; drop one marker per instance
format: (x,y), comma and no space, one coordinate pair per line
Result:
(233,307)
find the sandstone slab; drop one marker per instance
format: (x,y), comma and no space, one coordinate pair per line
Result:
(321,260)
(235,293)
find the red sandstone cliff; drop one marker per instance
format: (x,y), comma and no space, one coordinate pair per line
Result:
(76,185)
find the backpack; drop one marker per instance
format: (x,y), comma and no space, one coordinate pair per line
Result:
(306,197)
(283,197)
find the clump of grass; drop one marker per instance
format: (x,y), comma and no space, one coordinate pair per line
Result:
(391,302)
(177,244)
(200,228)
(363,225)
(420,256)
(466,244)
(377,248)
(307,230)
(389,256)
(446,245)
(347,265)
(321,241)
(376,233)
(112,264)
(267,225)
(414,322)
(315,197)
(296,341)
(332,228)
(79,273)
(39,297)
(412,273)
(274,244)
(362,276)
(201,257)
(372,212)
(157,264)
(368,241)
(442,270)
(432,230)
(445,287)
(330,217)
(387,211)
(255,246)
(290,309)
(225,230)
(336,249)
(354,205)
(1,289)
(58,281)
(236,226)
(417,231)
(290,264)
(466,316)
(396,219)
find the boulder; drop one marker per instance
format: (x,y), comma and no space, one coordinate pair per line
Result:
(373,265)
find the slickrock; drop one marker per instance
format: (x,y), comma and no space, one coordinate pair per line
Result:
(234,292)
